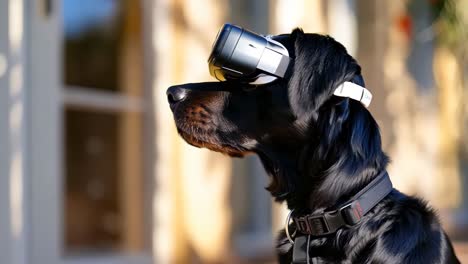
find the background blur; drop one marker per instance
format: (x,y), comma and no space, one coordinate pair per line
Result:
(93,171)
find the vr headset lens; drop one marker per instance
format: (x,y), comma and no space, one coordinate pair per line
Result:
(243,55)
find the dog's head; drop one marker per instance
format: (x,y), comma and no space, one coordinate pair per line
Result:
(294,124)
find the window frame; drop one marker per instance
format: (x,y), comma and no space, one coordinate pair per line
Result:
(48,99)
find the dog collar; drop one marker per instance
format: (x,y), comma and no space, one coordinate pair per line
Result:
(330,221)
(347,215)
(354,91)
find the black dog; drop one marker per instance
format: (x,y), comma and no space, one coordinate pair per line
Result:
(319,150)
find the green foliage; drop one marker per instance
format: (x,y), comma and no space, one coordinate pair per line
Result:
(451,24)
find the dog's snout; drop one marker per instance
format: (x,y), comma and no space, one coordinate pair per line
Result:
(176,94)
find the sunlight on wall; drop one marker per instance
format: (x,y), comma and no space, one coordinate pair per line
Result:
(3,65)
(190,202)
(342,23)
(17,130)
(16,169)
(450,87)
(15,25)
(289,14)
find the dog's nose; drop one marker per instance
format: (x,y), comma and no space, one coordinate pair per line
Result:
(176,94)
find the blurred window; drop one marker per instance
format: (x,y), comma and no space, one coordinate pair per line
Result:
(98,36)
(102,58)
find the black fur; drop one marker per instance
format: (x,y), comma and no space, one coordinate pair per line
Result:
(318,149)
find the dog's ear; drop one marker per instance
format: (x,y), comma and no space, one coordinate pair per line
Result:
(320,64)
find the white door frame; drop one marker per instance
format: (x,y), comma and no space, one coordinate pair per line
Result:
(45,137)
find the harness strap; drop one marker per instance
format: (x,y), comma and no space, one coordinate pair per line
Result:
(301,250)
(330,221)
(350,213)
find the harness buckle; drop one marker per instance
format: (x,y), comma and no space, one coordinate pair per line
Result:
(312,225)
(352,213)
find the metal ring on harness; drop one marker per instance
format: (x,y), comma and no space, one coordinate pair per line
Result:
(286,227)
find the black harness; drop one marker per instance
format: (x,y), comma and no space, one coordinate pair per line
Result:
(347,215)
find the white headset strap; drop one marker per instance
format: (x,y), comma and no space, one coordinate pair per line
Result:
(354,91)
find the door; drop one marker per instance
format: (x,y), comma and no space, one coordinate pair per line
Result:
(86,132)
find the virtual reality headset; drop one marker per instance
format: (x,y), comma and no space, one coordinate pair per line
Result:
(246,56)
(241,55)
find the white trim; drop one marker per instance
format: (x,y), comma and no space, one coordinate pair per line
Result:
(82,97)
(45,122)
